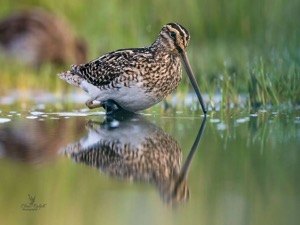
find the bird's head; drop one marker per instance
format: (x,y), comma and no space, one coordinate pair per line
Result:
(174,38)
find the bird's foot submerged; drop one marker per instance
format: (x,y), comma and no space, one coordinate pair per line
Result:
(110,106)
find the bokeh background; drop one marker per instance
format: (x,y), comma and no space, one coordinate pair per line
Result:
(117,24)
(246,168)
(238,46)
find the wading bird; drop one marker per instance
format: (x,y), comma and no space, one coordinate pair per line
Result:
(137,78)
(35,36)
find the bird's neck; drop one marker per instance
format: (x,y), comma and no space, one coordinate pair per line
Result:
(162,47)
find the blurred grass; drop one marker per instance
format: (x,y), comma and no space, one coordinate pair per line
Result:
(236,47)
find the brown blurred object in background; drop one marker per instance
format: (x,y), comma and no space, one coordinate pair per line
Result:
(36,36)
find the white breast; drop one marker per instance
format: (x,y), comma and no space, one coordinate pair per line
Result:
(132,98)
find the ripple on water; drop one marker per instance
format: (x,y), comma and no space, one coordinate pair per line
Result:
(221,126)
(36,113)
(243,120)
(5,120)
(215,120)
(70,114)
(32,117)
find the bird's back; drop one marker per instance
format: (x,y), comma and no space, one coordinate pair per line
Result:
(127,67)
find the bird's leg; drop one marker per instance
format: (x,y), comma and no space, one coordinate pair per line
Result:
(110,106)
(89,103)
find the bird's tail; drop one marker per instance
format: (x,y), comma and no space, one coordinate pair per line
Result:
(72,76)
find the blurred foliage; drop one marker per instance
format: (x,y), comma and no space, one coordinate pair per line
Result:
(230,40)
(109,25)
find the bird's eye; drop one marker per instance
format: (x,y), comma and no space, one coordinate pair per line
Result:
(173,34)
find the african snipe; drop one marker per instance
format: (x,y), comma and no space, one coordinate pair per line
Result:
(137,78)
(36,36)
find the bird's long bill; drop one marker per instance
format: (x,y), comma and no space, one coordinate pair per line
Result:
(192,79)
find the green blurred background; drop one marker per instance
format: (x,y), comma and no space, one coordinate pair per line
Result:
(245,173)
(237,46)
(107,25)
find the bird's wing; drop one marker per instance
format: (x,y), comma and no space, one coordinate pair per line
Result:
(109,69)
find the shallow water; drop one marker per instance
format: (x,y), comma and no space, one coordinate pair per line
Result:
(64,166)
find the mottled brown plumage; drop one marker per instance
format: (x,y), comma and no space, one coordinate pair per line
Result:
(134,149)
(136,79)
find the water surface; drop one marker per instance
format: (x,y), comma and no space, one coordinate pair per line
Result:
(61,165)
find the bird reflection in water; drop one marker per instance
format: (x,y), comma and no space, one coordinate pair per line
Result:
(33,141)
(133,148)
